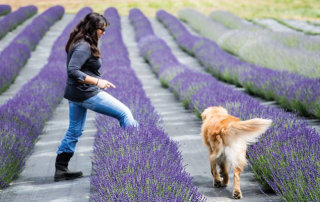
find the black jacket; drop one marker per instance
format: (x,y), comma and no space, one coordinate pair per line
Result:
(81,63)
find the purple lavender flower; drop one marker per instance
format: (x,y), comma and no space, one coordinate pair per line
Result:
(291,91)
(292,52)
(12,20)
(136,164)
(5,9)
(286,158)
(12,60)
(23,117)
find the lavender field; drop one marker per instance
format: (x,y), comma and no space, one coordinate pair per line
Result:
(167,69)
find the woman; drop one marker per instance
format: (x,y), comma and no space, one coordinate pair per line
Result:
(83,89)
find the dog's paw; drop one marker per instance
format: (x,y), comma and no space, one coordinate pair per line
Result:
(237,195)
(217,183)
(224,184)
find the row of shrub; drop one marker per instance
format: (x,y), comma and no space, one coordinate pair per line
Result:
(300,26)
(134,164)
(286,51)
(12,20)
(228,22)
(23,117)
(291,91)
(17,53)
(315,23)
(232,21)
(5,9)
(286,158)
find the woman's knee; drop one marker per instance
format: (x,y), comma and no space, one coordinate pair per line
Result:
(126,113)
(127,119)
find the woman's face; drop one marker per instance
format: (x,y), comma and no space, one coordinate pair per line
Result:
(101,31)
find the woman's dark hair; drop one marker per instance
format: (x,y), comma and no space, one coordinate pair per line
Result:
(87,30)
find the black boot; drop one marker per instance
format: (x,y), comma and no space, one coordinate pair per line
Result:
(62,171)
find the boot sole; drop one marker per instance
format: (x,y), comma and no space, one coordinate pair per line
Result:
(58,179)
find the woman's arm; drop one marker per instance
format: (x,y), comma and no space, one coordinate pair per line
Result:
(101,83)
(80,55)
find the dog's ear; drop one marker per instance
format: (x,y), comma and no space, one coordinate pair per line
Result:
(204,115)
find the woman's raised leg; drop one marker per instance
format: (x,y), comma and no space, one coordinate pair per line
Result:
(106,104)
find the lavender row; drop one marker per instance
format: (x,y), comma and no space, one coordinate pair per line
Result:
(5,9)
(12,20)
(299,26)
(200,22)
(291,91)
(286,158)
(230,20)
(23,117)
(314,23)
(222,25)
(12,60)
(290,39)
(286,51)
(135,164)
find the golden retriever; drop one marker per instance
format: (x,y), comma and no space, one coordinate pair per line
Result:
(227,138)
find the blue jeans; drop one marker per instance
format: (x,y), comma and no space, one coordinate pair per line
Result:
(102,103)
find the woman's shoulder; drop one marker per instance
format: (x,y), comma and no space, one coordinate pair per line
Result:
(82,45)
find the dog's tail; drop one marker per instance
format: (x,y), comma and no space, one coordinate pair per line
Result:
(248,131)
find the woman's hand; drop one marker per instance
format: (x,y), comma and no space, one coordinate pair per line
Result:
(105,84)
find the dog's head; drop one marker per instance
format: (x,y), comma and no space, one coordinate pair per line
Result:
(213,111)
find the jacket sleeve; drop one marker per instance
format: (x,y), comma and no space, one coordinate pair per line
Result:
(79,56)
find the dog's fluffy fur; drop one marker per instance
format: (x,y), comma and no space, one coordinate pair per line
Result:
(227,138)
